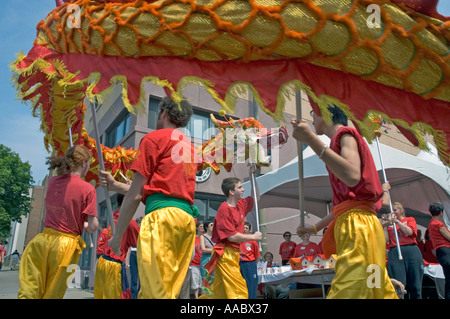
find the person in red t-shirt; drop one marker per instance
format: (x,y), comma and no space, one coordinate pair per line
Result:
(249,256)
(110,274)
(357,196)
(194,266)
(71,206)
(102,237)
(440,236)
(2,255)
(164,180)
(306,247)
(287,248)
(428,252)
(408,271)
(227,235)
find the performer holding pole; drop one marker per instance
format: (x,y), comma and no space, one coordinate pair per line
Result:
(71,206)
(164,180)
(89,236)
(354,231)
(228,233)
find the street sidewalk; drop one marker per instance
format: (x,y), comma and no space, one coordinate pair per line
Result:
(9,287)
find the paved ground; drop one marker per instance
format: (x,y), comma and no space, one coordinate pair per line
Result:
(9,285)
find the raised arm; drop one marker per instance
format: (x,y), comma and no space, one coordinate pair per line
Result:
(127,210)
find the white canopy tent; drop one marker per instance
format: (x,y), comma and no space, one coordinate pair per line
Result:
(416,181)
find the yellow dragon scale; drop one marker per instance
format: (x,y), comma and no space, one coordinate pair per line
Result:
(336,34)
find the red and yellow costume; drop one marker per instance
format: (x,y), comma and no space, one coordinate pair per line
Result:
(355,234)
(167,234)
(228,281)
(43,272)
(108,275)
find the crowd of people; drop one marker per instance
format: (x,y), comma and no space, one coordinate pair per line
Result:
(222,256)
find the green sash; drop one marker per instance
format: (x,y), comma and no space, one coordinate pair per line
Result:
(158,200)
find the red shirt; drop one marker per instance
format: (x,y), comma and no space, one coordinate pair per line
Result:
(311,249)
(369,186)
(249,251)
(2,252)
(230,220)
(102,237)
(129,239)
(68,202)
(197,253)
(428,253)
(167,159)
(287,250)
(437,238)
(402,238)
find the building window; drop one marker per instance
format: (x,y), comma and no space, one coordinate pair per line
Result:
(200,126)
(208,204)
(153,111)
(118,129)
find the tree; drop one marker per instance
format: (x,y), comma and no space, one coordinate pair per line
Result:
(15,184)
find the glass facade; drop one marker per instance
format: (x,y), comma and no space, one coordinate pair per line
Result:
(118,129)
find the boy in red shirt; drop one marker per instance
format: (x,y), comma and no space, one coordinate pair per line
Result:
(249,255)
(228,234)
(440,237)
(306,247)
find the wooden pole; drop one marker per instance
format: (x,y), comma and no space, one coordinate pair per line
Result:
(298,102)
(102,167)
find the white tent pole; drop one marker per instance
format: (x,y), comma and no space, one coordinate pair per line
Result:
(255,197)
(390,202)
(298,100)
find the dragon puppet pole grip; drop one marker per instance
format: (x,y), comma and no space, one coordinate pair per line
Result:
(298,99)
(102,167)
(390,202)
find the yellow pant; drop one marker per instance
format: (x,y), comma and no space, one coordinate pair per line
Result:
(164,250)
(108,280)
(228,282)
(361,264)
(43,272)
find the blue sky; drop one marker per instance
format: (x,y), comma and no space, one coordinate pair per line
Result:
(19,130)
